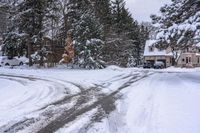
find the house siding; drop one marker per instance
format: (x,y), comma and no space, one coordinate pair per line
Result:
(189,57)
(189,60)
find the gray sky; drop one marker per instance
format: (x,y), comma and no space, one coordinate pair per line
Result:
(142,9)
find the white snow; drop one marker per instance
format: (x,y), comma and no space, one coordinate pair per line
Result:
(164,102)
(19,97)
(179,31)
(160,105)
(198,45)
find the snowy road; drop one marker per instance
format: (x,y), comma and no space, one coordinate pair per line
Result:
(103,101)
(161,103)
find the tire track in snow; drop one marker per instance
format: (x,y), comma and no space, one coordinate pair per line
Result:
(36,97)
(105,104)
(85,101)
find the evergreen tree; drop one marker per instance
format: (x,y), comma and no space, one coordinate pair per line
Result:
(143,36)
(119,15)
(87,33)
(178,25)
(28,25)
(124,37)
(101,30)
(103,12)
(3,20)
(11,41)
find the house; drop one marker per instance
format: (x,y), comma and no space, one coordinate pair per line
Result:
(153,54)
(190,57)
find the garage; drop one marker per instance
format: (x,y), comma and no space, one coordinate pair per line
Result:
(164,61)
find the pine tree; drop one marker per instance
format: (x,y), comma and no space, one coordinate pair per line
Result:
(87,33)
(124,37)
(178,25)
(3,20)
(103,12)
(143,36)
(118,10)
(28,25)
(11,41)
(101,30)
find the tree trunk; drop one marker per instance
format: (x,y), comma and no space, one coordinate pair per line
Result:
(29,53)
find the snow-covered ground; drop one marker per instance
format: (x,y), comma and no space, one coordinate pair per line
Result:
(112,100)
(161,103)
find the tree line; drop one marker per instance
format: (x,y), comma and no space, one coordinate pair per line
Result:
(104,31)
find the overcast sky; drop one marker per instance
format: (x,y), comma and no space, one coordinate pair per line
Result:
(142,9)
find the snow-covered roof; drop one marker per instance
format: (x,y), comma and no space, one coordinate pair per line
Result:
(155,51)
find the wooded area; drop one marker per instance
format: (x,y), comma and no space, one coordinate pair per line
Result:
(103,32)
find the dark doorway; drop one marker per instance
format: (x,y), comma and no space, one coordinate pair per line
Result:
(187,60)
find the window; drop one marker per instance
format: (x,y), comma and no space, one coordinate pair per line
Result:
(187,61)
(188,49)
(198,60)
(183,60)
